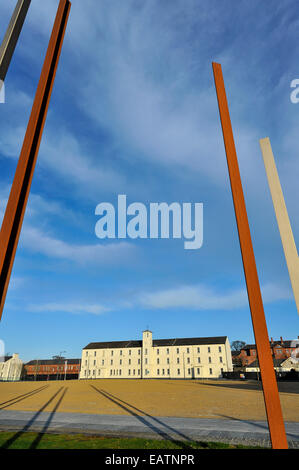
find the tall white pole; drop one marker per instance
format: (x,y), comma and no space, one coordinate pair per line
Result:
(283,221)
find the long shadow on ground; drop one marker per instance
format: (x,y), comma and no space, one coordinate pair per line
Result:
(150,425)
(10,441)
(283,387)
(19,398)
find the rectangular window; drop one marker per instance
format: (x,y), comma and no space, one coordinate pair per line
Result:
(99,372)
(198,360)
(111,362)
(121,353)
(145,352)
(145,361)
(189,371)
(219,349)
(95,353)
(111,353)
(120,362)
(119,371)
(188,360)
(129,362)
(129,371)
(93,372)
(158,371)
(177,350)
(86,353)
(130,352)
(158,361)
(138,361)
(168,360)
(163,371)
(94,363)
(110,372)
(198,350)
(103,362)
(209,349)
(211,372)
(167,351)
(168,371)
(178,360)
(220,359)
(188,350)
(139,352)
(138,371)
(133,371)
(179,371)
(198,370)
(210,360)
(158,351)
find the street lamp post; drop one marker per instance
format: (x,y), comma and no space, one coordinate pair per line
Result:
(60,356)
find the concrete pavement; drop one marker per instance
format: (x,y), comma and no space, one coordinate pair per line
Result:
(182,429)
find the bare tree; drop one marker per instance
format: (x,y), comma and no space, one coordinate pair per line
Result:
(237,345)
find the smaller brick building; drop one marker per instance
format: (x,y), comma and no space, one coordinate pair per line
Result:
(52,369)
(282,349)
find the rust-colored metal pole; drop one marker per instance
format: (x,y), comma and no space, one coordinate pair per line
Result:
(15,210)
(270,389)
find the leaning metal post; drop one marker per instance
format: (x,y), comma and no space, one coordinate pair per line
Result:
(269,384)
(11,37)
(16,206)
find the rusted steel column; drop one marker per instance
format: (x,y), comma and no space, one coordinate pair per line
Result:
(270,389)
(11,36)
(15,209)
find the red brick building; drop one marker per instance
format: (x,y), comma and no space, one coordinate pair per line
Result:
(52,369)
(280,350)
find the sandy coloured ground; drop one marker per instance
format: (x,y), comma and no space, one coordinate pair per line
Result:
(194,399)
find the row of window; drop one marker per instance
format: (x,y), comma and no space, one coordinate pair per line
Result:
(178,350)
(158,361)
(133,372)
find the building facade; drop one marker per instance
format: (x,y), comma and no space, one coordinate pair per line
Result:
(280,365)
(11,369)
(180,358)
(52,369)
(282,349)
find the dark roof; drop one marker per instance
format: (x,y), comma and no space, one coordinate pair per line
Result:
(5,358)
(52,362)
(158,342)
(276,362)
(273,344)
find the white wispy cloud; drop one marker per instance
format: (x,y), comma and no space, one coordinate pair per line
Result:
(202,297)
(37,241)
(73,308)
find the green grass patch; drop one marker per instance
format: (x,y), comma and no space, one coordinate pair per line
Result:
(31,440)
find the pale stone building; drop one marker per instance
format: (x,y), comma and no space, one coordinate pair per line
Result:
(179,358)
(11,368)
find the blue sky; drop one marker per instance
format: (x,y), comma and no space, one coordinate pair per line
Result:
(134,112)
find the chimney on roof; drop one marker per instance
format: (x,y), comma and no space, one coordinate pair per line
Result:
(281,340)
(271,340)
